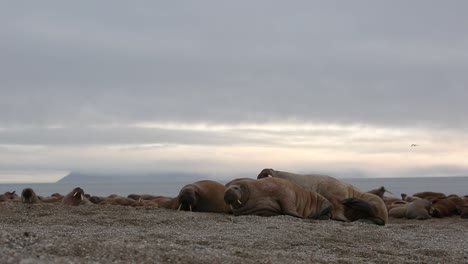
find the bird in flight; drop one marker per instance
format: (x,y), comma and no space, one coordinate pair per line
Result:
(414,145)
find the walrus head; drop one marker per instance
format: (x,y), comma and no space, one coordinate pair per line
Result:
(188,199)
(266,173)
(78,193)
(11,195)
(28,196)
(235,195)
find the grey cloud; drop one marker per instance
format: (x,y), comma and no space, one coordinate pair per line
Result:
(362,62)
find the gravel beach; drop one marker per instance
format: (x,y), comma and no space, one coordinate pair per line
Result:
(116,234)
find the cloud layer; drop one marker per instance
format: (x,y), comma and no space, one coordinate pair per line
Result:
(361,77)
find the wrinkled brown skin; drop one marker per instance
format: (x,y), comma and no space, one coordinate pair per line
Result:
(28,196)
(275,196)
(74,198)
(392,201)
(138,197)
(418,209)
(202,196)
(349,203)
(430,195)
(9,197)
(166,202)
(123,201)
(443,208)
(57,199)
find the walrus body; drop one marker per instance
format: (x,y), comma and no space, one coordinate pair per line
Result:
(349,203)
(275,196)
(443,208)
(55,198)
(430,195)
(202,196)
(9,197)
(418,209)
(28,196)
(138,197)
(75,198)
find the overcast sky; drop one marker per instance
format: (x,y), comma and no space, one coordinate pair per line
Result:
(232,87)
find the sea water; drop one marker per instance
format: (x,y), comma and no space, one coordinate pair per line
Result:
(447,185)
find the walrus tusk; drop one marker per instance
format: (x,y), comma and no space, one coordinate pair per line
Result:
(239,202)
(82,198)
(388,191)
(180,206)
(190,205)
(75,193)
(232,208)
(269,175)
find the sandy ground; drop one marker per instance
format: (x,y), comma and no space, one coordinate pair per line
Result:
(117,234)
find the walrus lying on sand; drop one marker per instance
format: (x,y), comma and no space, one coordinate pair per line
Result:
(418,209)
(75,198)
(430,195)
(9,197)
(349,203)
(28,196)
(275,196)
(203,196)
(443,208)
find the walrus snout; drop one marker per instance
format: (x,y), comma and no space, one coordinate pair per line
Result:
(27,195)
(232,195)
(266,173)
(187,199)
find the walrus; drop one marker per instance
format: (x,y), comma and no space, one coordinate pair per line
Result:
(349,203)
(9,197)
(203,196)
(138,197)
(380,191)
(418,209)
(75,198)
(430,195)
(464,211)
(124,201)
(407,198)
(443,208)
(54,198)
(28,196)
(275,196)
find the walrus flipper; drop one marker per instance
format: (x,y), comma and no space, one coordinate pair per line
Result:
(359,209)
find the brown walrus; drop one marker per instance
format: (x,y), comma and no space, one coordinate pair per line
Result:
(349,203)
(407,198)
(9,197)
(54,198)
(275,196)
(28,196)
(380,191)
(75,198)
(138,197)
(203,196)
(443,208)
(418,209)
(430,195)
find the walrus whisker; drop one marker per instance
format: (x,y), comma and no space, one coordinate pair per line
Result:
(180,206)
(239,202)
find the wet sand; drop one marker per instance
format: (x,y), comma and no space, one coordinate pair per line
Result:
(117,234)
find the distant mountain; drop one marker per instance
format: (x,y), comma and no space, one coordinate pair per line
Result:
(78,177)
